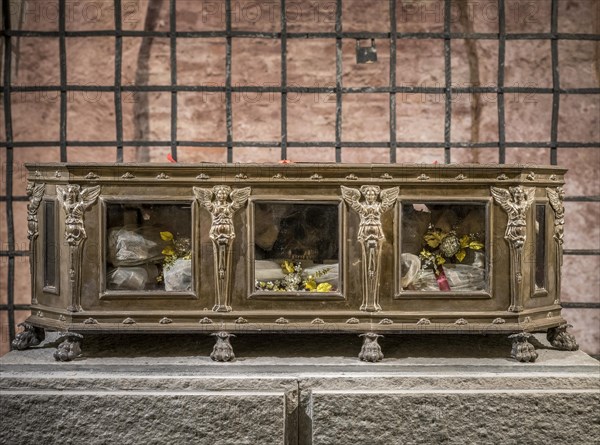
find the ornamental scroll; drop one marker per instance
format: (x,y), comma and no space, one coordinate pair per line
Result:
(370,235)
(222,202)
(556,197)
(515,201)
(75,201)
(35,192)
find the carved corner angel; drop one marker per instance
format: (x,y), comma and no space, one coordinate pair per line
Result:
(515,201)
(35,192)
(370,234)
(75,201)
(556,195)
(222,202)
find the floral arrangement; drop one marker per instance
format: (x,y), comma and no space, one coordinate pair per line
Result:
(440,247)
(296,280)
(174,250)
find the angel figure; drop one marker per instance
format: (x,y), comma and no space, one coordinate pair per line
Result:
(35,192)
(556,197)
(515,201)
(222,202)
(75,201)
(370,235)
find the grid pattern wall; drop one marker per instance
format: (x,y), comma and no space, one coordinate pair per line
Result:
(393,90)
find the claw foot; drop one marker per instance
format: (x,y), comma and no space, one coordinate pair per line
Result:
(522,350)
(370,351)
(561,339)
(31,336)
(70,348)
(223,351)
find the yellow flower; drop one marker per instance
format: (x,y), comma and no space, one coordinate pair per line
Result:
(166,236)
(439,260)
(324,287)
(476,245)
(464,241)
(168,251)
(434,238)
(311,284)
(461,254)
(288,266)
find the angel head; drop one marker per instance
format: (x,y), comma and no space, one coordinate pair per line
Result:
(518,194)
(222,193)
(29,189)
(370,192)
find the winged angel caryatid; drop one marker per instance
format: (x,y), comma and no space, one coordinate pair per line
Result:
(35,192)
(515,201)
(556,196)
(370,234)
(222,202)
(75,200)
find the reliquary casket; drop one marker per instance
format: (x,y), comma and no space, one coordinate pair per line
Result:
(224,249)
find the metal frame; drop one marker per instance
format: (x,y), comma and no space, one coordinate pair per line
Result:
(229,34)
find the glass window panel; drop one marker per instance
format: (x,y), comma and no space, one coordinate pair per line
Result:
(50,244)
(540,246)
(296,247)
(443,247)
(148,247)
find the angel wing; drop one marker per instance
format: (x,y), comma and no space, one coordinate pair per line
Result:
(88,196)
(530,194)
(204,197)
(61,194)
(239,197)
(388,198)
(352,197)
(502,197)
(35,192)
(554,195)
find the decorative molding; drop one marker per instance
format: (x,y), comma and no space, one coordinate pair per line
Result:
(206,320)
(553,178)
(461,177)
(162,176)
(90,321)
(241,176)
(531,176)
(165,320)
(352,177)
(515,201)
(386,321)
(316,177)
(353,321)
(222,202)
(40,314)
(279,176)
(281,320)
(375,203)
(92,175)
(317,321)
(424,322)
(128,321)
(203,177)
(499,321)
(57,174)
(75,201)
(461,322)
(502,177)
(128,175)
(423,177)
(37,174)
(386,177)
(61,317)
(241,320)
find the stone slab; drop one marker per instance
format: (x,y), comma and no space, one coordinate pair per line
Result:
(298,390)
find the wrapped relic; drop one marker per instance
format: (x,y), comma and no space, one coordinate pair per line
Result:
(134,245)
(178,275)
(132,278)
